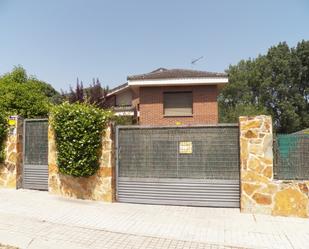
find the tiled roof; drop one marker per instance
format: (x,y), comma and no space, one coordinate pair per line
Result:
(163,73)
(117,88)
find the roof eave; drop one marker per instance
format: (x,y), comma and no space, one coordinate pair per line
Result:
(118,90)
(179,81)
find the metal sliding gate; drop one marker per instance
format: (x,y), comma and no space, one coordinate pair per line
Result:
(35,166)
(197,166)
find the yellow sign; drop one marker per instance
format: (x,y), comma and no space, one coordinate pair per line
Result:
(12,122)
(185,147)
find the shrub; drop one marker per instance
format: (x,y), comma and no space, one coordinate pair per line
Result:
(26,96)
(78,131)
(3,133)
(123,120)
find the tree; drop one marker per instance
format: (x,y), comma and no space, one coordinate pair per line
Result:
(274,84)
(300,70)
(76,95)
(18,75)
(53,96)
(26,96)
(95,94)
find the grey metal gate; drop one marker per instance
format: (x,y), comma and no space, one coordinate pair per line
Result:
(35,160)
(196,166)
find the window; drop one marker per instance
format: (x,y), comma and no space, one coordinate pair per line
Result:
(177,104)
(124,99)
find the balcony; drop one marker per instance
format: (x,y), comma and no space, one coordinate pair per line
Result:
(124,110)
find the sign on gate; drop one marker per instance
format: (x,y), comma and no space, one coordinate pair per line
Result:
(185,147)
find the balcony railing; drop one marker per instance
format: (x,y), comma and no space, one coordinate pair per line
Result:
(125,110)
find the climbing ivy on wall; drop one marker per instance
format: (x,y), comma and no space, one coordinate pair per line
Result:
(78,131)
(3,133)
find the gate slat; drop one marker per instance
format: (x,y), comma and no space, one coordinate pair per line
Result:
(190,194)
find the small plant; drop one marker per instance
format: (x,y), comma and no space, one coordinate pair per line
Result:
(78,131)
(3,134)
(123,120)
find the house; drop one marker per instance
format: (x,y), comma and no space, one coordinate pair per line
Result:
(169,97)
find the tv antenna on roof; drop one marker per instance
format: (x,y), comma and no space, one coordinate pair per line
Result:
(193,62)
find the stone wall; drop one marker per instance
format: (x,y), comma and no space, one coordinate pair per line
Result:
(260,193)
(97,187)
(11,168)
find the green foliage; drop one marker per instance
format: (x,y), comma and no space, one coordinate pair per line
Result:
(18,75)
(3,133)
(123,120)
(53,96)
(231,115)
(95,94)
(23,100)
(26,96)
(276,84)
(78,130)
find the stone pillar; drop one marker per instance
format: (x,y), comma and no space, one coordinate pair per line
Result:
(11,168)
(260,193)
(99,186)
(256,158)
(108,165)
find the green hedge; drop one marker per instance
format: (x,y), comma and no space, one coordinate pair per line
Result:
(78,133)
(3,133)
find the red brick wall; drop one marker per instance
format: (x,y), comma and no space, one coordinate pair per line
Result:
(205,107)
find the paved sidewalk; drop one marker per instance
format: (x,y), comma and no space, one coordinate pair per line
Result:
(36,234)
(54,221)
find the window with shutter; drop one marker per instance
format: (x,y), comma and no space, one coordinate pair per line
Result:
(178,104)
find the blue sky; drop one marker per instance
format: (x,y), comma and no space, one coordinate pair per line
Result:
(60,40)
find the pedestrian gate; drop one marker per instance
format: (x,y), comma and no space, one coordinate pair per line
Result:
(35,166)
(196,166)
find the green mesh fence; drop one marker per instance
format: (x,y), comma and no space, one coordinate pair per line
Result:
(291,156)
(180,152)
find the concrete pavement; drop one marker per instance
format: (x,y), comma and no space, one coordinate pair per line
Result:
(34,219)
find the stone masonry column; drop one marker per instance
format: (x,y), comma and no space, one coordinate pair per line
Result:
(11,168)
(260,192)
(256,169)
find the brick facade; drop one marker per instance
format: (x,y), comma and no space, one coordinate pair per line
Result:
(205,106)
